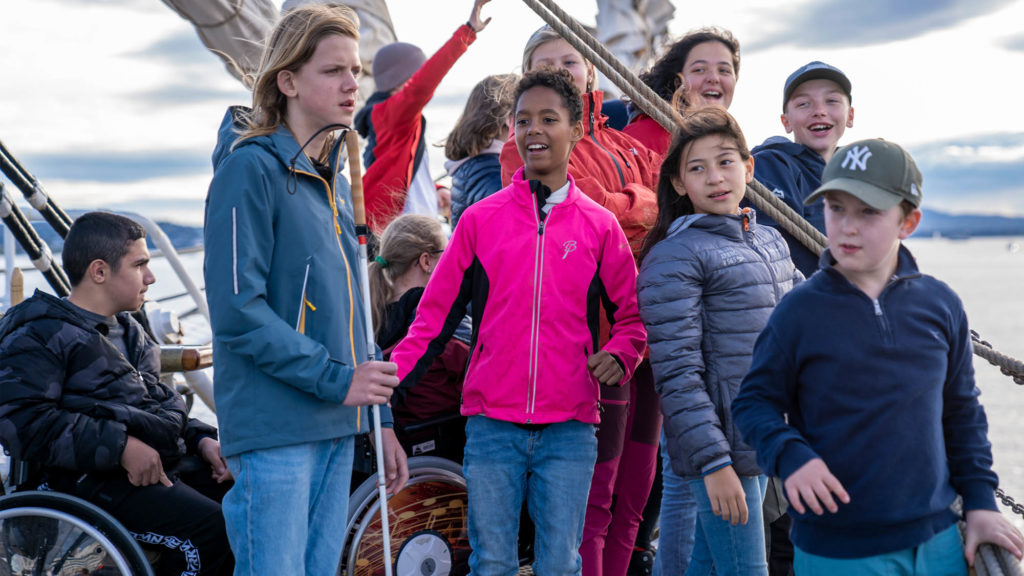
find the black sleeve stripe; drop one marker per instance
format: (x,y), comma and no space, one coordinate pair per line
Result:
(471,284)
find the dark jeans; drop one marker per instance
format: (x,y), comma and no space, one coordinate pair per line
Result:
(183,522)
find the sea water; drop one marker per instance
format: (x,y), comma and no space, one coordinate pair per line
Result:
(988,274)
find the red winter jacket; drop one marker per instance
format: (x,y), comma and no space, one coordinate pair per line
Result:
(610,167)
(649,133)
(398,124)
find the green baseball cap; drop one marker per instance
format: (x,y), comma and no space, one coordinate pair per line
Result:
(878,173)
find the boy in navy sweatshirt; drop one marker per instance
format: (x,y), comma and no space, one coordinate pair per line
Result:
(861,392)
(816,109)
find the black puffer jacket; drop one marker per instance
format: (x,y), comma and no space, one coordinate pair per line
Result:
(69,399)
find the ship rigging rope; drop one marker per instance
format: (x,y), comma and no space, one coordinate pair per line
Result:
(664,114)
(1010,366)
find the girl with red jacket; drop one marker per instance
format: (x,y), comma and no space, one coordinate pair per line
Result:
(398,179)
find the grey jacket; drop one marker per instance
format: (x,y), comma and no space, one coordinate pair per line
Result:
(705,293)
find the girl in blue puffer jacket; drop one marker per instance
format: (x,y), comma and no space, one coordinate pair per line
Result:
(473,145)
(709,279)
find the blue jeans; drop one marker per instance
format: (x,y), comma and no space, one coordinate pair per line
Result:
(942,555)
(677,520)
(548,468)
(732,550)
(287,511)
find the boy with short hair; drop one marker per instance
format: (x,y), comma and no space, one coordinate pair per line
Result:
(816,110)
(80,396)
(536,260)
(861,391)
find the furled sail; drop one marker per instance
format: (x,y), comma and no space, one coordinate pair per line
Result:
(634,30)
(235,29)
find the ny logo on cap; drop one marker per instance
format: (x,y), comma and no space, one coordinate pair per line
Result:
(857,158)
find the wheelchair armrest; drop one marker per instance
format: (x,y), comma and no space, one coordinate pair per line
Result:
(431,422)
(185,358)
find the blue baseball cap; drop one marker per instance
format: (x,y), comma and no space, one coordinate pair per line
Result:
(814,71)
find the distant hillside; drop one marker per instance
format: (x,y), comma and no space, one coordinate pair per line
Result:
(964,225)
(181,237)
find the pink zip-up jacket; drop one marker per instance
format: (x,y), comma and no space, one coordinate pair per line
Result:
(536,287)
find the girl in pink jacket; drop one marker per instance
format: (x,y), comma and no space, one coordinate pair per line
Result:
(535,260)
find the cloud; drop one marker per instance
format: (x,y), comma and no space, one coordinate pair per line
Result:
(997,148)
(980,174)
(116,166)
(185,93)
(1015,43)
(183,47)
(184,59)
(844,23)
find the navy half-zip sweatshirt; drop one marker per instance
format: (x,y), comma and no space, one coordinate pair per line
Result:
(883,391)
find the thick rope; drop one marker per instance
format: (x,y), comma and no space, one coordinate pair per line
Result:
(665,115)
(1010,366)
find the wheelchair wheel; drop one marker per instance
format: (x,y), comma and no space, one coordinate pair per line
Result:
(54,533)
(427,519)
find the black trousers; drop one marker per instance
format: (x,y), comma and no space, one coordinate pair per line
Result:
(182,522)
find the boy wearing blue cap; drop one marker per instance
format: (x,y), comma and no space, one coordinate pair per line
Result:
(816,110)
(861,392)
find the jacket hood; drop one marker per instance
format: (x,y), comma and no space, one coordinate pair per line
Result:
(362,122)
(726,225)
(230,128)
(41,305)
(812,162)
(593,120)
(281,144)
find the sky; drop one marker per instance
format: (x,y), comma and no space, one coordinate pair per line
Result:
(116,103)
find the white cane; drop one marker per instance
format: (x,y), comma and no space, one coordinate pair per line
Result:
(359,210)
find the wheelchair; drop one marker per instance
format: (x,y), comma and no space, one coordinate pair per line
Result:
(44,533)
(427,518)
(49,533)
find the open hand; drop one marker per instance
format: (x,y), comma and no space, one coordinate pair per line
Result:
(728,500)
(474,18)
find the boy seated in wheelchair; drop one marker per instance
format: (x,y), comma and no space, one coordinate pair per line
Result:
(80,399)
